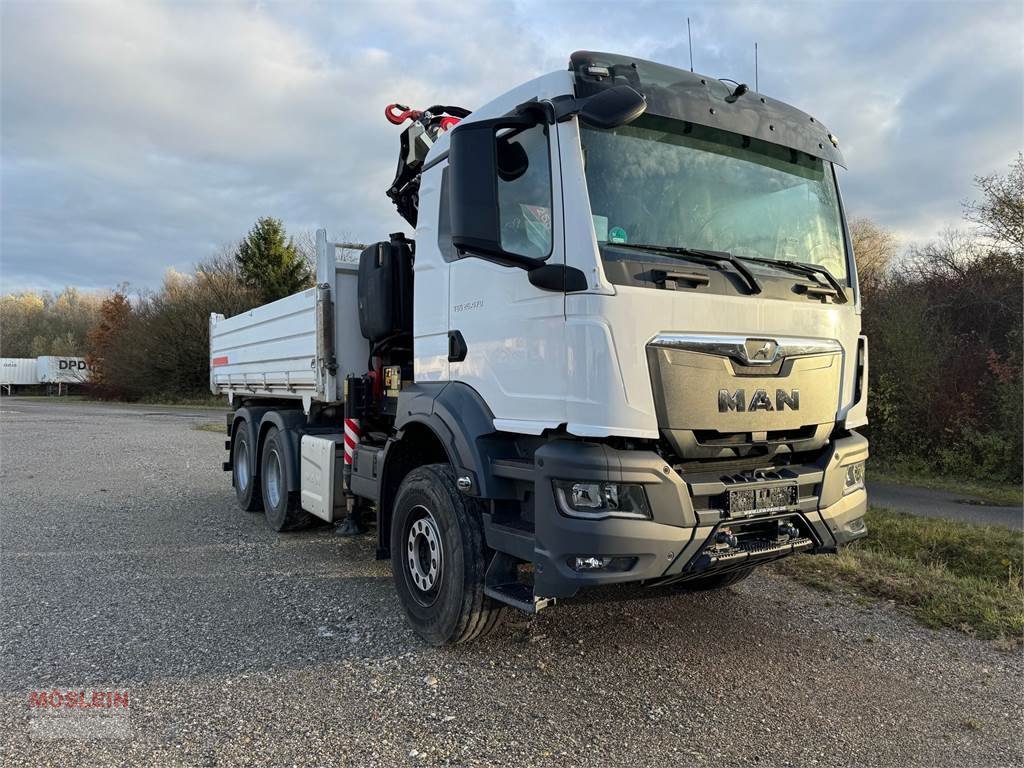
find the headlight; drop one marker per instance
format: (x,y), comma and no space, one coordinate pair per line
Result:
(854,479)
(598,500)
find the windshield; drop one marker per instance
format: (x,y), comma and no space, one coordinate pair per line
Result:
(665,182)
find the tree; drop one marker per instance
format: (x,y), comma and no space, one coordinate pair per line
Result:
(40,346)
(46,324)
(999,216)
(874,248)
(115,315)
(946,343)
(269,262)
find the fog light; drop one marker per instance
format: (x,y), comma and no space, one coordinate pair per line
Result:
(591,563)
(598,500)
(599,563)
(854,480)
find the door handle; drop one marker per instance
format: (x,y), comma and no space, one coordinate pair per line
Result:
(820,292)
(457,349)
(662,277)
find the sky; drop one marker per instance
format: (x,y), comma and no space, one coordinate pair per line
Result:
(140,136)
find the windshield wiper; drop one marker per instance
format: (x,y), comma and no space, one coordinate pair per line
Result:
(815,271)
(699,255)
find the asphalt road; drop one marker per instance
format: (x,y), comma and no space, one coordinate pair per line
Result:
(125,566)
(952,506)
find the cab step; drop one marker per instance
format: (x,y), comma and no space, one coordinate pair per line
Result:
(518,595)
(502,583)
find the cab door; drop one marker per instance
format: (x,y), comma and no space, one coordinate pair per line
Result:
(514,332)
(430,297)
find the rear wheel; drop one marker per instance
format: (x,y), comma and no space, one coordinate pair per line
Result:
(247,489)
(717,580)
(439,558)
(281,507)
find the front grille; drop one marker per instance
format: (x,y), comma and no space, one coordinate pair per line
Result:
(711,406)
(758,460)
(713,437)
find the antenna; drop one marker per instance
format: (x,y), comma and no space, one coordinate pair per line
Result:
(755,68)
(690,40)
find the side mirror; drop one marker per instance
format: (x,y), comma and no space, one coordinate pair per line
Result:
(511,159)
(613,107)
(478,156)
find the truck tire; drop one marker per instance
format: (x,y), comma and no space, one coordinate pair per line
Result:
(717,580)
(281,507)
(439,558)
(247,486)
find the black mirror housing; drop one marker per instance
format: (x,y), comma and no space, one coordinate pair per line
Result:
(613,107)
(472,162)
(478,157)
(475,164)
(512,160)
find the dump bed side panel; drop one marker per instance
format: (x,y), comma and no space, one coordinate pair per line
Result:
(302,346)
(269,350)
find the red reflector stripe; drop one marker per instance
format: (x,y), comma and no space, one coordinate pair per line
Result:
(219,361)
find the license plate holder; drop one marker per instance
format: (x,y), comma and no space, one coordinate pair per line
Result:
(760,500)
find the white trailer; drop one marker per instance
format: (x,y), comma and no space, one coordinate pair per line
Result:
(62,369)
(18,372)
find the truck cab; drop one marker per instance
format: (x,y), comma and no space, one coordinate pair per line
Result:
(627,349)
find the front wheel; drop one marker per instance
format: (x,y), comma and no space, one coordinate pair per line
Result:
(439,558)
(281,507)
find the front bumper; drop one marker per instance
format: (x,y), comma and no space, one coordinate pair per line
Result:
(674,543)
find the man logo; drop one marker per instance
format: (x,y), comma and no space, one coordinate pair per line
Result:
(760,351)
(759,401)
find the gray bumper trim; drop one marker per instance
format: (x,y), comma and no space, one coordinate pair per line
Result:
(666,545)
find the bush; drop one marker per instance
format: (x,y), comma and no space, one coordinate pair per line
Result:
(158,347)
(946,331)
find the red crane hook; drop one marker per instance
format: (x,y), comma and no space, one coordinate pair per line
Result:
(397,114)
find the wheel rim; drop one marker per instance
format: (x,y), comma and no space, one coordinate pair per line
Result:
(242,465)
(274,479)
(424,555)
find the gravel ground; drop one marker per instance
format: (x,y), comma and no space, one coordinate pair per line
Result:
(125,565)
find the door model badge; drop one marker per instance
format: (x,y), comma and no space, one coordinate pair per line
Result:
(759,401)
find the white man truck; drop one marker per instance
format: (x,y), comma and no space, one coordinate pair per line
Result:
(623,346)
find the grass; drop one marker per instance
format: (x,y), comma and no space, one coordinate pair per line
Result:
(1003,494)
(947,574)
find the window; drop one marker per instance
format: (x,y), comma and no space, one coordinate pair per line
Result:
(444,221)
(524,192)
(666,182)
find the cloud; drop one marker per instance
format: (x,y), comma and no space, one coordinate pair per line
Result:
(141,136)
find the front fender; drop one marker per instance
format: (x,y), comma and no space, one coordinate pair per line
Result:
(464,425)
